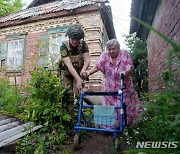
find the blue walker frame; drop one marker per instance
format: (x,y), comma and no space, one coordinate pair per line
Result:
(116,132)
(122,116)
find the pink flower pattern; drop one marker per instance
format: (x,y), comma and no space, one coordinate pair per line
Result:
(112,83)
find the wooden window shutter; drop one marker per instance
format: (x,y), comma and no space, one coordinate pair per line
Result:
(3,51)
(43,51)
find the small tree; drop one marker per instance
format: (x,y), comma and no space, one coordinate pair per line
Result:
(10,6)
(138,51)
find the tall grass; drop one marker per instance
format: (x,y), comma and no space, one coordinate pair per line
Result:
(161,118)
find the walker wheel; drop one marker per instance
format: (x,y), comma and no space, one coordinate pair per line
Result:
(77,141)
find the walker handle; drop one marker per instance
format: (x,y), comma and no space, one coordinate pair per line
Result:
(122,76)
(122,81)
(102,93)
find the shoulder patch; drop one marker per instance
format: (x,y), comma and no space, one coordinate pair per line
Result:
(64,53)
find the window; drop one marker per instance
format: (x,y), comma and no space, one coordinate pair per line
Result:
(49,50)
(3,46)
(15,54)
(55,42)
(12,52)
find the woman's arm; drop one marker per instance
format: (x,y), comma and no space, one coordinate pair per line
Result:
(93,70)
(100,65)
(129,64)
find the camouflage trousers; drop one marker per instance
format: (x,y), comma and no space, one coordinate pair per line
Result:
(70,83)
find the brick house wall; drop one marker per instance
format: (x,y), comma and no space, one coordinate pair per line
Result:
(167,21)
(94,30)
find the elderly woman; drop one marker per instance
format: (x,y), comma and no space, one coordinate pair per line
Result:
(112,63)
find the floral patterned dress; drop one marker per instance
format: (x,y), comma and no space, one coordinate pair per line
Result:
(112,83)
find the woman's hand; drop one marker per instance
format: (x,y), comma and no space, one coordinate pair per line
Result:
(88,73)
(93,70)
(129,72)
(84,75)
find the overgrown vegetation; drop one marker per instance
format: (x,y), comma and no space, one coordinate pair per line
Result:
(161,119)
(10,98)
(44,102)
(10,6)
(138,51)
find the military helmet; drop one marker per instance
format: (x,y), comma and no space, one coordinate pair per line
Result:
(75,32)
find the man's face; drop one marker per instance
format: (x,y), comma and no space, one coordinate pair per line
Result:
(74,42)
(113,51)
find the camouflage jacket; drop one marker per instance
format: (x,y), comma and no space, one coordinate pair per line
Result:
(75,54)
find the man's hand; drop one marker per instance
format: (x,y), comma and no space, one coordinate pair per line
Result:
(79,85)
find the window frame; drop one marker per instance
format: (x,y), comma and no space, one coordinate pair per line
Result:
(51,65)
(15,68)
(10,38)
(56,35)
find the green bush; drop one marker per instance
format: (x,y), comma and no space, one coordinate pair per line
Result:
(46,104)
(138,52)
(43,102)
(10,98)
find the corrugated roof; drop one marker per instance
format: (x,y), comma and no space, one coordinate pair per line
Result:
(45,9)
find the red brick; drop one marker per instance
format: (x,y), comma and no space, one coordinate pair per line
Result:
(177,3)
(158,54)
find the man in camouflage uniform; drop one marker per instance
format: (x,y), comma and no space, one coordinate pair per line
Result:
(74,62)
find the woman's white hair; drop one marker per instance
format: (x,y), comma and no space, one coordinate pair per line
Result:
(113,42)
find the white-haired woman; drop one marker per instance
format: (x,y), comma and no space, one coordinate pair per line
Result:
(112,63)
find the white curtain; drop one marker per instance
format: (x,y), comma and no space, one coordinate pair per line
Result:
(15,55)
(54,46)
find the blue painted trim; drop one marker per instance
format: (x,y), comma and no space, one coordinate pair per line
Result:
(57,29)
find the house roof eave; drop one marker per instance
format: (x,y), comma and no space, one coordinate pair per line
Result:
(50,16)
(145,11)
(39,2)
(108,21)
(52,11)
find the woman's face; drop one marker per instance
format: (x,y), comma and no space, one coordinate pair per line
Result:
(113,51)
(74,42)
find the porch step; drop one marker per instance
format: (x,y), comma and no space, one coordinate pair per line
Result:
(11,130)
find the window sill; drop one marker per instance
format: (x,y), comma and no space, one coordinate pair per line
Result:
(14,71)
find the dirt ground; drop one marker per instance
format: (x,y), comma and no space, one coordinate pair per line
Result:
(93,143)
